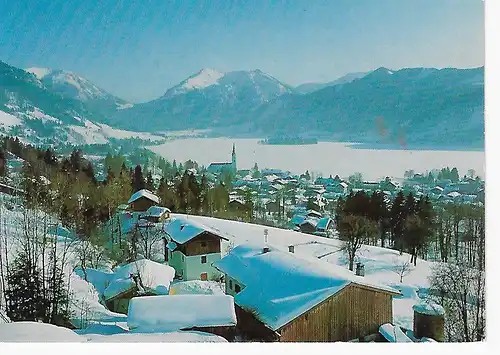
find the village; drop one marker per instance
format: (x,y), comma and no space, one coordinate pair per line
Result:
(307,203)
(266,293)
(275,272)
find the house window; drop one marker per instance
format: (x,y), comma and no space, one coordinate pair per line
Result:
(230,284)
(203,244)
(237,288)
(204,259)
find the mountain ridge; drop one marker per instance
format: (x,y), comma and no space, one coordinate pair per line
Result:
(409,105)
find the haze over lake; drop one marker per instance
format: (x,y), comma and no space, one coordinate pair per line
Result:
(325,157)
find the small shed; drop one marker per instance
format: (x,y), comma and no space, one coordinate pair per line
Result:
(142,200)
(309,225)
(428,320)
(213,314)
(139,278)
(236,204)
(157,214)
(324,225)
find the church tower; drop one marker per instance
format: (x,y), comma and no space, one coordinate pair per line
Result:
(233,160)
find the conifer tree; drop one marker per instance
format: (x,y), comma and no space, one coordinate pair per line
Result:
(138,182)
(150,185)
(25,301)
(397,221)
(3,163)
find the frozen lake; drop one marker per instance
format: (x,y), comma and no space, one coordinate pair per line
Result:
(325,157)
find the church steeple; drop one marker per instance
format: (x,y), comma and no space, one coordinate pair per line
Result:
(233,159)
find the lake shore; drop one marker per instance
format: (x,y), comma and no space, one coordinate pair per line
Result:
(342,158)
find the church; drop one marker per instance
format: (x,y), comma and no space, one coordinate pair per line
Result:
(218,168)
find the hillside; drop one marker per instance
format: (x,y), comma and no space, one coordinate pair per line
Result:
(417,106)
(41,115)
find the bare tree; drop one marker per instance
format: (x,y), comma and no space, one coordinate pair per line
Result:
(354,231)
(461,291)
(402,268)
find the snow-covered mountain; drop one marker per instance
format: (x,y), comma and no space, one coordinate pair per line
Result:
(206,99)
(204,78)
(36,114)
(73,86)
(418,106)
(311,87)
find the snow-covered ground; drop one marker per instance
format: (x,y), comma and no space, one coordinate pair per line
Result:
(42,333)
(381,264)
(8,121)
(94,133)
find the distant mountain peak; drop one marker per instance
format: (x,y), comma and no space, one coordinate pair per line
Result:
(39,72)
(204,78)
(383,70)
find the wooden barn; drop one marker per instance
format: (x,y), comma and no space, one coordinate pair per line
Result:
(142,200)
(280,296)
(213,314)
(192,248)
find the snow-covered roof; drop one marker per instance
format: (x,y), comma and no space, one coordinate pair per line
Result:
(155,277)
(279,286)
(323,223)
(297,219)
(156,211)
(182,230)
(314,213)
(37,332)
(177,312)
(310,220)
(144,193)
(429,308)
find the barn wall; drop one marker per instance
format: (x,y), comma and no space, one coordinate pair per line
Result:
(142,204)
(206,243)
(250,328)
(352,313)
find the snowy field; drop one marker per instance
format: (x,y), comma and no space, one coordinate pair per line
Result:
(325,157)
(381,264)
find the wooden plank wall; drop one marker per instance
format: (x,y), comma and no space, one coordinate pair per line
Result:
(352,313)
(205,243)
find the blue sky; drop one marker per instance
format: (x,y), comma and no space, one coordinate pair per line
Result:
(136,49)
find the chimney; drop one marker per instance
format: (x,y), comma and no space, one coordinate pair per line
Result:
(291,248)
(265,250)
(360,269)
